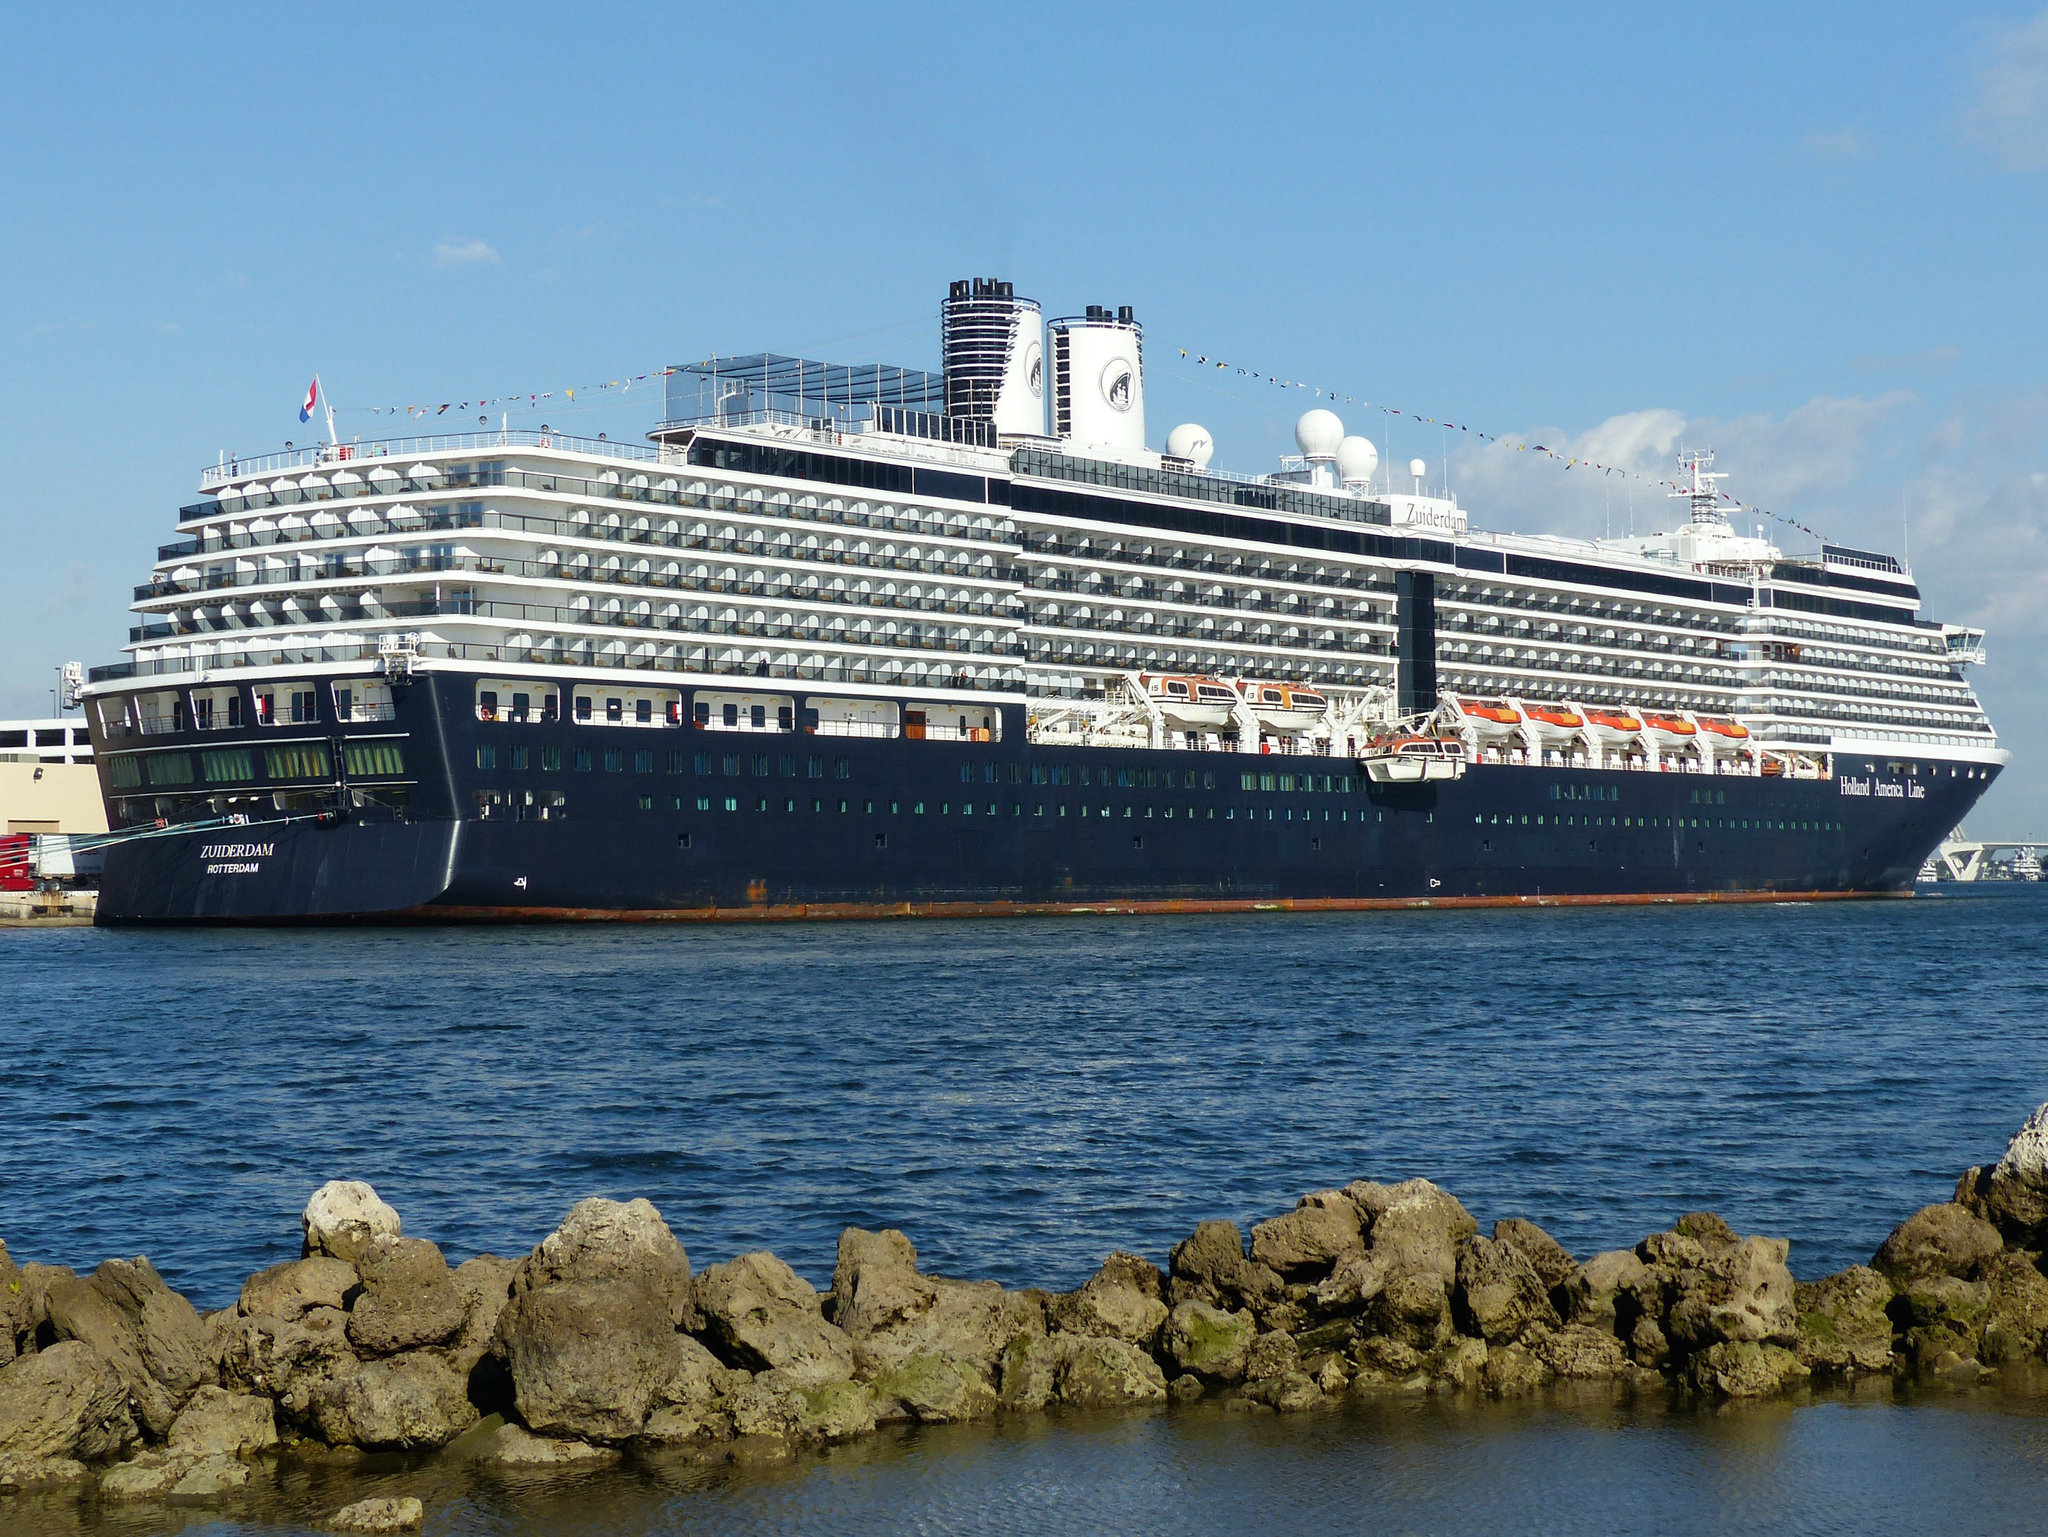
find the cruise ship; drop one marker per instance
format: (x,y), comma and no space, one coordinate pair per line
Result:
(842,640)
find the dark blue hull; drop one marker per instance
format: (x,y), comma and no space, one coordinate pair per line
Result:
(687,823)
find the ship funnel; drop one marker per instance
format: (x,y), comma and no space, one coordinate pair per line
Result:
(993,345)
(1099,380)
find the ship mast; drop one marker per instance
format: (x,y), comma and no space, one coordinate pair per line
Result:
(1702,491)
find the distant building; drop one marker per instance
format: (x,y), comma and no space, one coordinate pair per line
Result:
(47,780)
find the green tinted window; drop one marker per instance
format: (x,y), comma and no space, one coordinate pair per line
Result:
(303,760)
(368,758)
(126,772)
(170,768)
(228,765)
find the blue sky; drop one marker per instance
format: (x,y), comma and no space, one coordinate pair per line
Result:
(1809,236)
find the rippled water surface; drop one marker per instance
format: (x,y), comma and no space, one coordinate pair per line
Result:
(1023,1096)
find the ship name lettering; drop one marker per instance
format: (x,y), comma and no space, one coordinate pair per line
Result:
(1890,792)
(1850,786)
(236,851)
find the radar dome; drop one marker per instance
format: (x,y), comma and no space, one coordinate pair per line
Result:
(1188,441)
(1417,468)
(1356,460)
(1318,433)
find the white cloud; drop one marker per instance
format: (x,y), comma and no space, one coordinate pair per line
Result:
(463,253)
(2008,117)
(1843,144)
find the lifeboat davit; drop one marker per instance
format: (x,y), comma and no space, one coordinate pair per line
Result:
(1673,731)
(1552,725)
(1284,707)
(1191,703)
(1612,728)
(1406,757)
(1490,720)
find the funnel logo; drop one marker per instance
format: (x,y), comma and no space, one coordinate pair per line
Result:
(1118,381)
(1036,377)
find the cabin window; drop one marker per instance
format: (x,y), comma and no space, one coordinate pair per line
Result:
(675,763)
(487,757)
(487,704)
(614,711)
(646,803)
(582,760)
(814,767)
(643,711)
(519,760)
(583,707)
(614,760)
(757,765)
(551,760)
(732,717)
(841,769)
(757,716)
(643,762)
(521,704)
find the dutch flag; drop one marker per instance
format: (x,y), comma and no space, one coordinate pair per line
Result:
(312,395)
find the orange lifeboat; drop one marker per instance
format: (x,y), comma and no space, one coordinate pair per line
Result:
(1490,720)
(1284,707)
(1613,728)
(1669,730)
(1552,725)
(1190,703)
(1723,726)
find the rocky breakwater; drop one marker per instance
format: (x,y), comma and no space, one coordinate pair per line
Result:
(604,1342)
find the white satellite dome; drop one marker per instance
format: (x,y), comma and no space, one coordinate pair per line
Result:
(1417,468)
(1356,460)
(1318,433)
(1189,441)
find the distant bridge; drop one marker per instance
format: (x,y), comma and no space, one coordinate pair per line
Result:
(1962,858)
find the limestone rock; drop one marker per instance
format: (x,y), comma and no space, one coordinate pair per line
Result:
(1744,1369)
(1412,1305)
(1579,1351)
(83,1310)
(217,1423)
(1945,1240)
(2016,1323)
(624,1243)
(209,1478)
(1551,1261)
(406,1403)
(1212,1262)
(1292,1392)
(1109,1373)
(19,1473)
(894,1315)
(801,1410)
(1459,1366)
(1736,1292)
(519,1447)
(342,1216)
(286,1362)
(1207,1342)
(1323,1229)
(293,1289)
(145,1476)
(401,1514)
(63,1403)
(762,1315)
(1414,1225)
(1599,1292)
(1031,1368)
(586,1358)
(1844,1325)
(935,1389)
(1499,1293)
(484,1285)
(409,1299)
(1942,1314)
(14,1323)
(588,1335)
(1123,1300)
(2013,1195)
(1272,1354)
(1512,1371)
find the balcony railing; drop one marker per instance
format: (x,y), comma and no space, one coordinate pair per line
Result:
(334,455)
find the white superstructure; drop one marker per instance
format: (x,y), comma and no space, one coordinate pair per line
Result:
(883,529)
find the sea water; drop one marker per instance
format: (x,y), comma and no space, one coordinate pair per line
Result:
(1023,1096)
